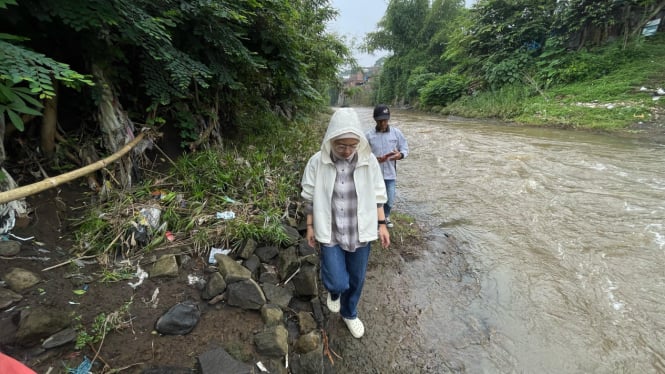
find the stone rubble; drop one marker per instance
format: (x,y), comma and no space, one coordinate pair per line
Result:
(265,279)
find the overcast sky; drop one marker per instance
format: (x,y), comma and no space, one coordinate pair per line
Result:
(355,19)
(358,17)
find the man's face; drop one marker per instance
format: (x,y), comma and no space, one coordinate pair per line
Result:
(344,148)
(382,124)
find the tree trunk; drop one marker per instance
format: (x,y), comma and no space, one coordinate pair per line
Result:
(647,17)
(49,123)
(11,210)
(2,139)
(117,129)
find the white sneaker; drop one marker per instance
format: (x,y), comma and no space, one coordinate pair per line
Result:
(333,305)
(389,224)
(355,326)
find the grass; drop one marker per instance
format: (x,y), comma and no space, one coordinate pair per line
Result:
(405,228)
(505,103)
(610,99)
(257,179)
(101,326)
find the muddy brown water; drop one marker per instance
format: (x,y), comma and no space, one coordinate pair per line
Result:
(561,244)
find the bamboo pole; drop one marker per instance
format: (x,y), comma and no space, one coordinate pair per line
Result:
(31,189)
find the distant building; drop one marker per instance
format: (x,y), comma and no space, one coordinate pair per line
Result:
(362,77)
(357,86)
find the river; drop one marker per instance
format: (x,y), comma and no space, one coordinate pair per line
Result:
(563,238)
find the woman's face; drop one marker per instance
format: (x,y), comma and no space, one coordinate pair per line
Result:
(344,148)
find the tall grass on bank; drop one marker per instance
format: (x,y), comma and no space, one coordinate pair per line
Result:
(607,94)
(504,103)
(256,179)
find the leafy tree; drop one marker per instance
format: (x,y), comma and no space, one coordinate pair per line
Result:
(210,67)
(504,36)
(400,28)
(400,32)
(218,58)
(26,77)
(437,30)
(418,33)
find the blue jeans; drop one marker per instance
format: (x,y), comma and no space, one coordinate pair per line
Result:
(390,190)
(343,274)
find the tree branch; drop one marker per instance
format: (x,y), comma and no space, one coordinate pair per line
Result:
(31,189)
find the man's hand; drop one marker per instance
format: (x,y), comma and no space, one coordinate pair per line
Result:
(392,156)
(395,155)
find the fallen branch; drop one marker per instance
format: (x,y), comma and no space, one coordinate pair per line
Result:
(31,189)
(327,350)
(68,262)
(31,258)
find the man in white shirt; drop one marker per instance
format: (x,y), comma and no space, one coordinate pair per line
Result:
(388,145)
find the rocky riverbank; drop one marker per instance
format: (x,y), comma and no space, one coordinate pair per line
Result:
(256,308)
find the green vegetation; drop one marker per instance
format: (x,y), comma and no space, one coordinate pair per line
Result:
(405,229)
(535,62)
(96,334)
(111,276)
(101,326)
(257,179)
(208,69)
(607,99)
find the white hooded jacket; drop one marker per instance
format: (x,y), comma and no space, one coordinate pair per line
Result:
(318,180)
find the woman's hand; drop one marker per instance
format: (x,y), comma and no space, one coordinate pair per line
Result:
(311,240)
(384,236)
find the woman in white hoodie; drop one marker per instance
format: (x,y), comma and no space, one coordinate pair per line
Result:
(344,194)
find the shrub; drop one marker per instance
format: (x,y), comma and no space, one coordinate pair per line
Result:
(443,90)
(506,70)
(417,80)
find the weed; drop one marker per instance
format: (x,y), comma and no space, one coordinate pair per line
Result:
(110,276)
(101,326)
(97,332)
(257,179)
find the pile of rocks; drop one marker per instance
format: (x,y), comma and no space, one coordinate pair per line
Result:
(254,278)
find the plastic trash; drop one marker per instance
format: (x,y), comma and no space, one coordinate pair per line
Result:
(261,367)
(83,368)
(152,216)
(226,215)
(142,274)
(4,237)
(214,251)
(193,279)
